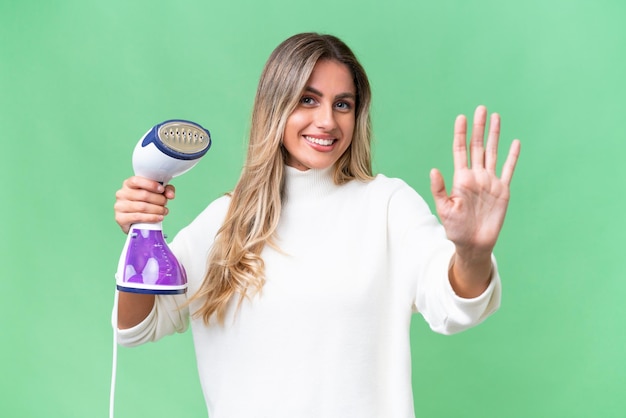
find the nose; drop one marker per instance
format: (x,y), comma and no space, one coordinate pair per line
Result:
(325,117)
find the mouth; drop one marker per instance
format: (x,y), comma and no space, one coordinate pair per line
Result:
(325,142)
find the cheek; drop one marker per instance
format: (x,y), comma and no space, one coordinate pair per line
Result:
(349,127)
(291,136)
(295,123)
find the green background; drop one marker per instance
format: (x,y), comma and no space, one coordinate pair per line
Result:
(82,80)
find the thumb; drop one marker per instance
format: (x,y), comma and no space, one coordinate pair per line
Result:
(170,192)
(437,186)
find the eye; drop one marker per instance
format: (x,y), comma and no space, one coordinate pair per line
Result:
(343,105)
(307,100)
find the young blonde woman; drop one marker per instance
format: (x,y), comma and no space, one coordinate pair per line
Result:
(303,280)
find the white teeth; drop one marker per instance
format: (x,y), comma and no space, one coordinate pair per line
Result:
(325,142)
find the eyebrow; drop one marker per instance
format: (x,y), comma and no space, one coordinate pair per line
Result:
(339,96)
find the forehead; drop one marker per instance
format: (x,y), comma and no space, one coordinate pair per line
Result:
(333,76)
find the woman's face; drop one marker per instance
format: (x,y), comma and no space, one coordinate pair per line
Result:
(320,129)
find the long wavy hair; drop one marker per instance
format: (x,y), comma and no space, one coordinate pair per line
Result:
(235,267)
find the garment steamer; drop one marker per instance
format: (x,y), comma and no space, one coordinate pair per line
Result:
(146,264)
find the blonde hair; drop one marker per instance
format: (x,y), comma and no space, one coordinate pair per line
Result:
(234,264)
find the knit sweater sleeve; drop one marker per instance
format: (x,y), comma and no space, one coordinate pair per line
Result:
(165,318)
(421,254)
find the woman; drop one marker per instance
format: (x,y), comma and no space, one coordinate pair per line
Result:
(303,280)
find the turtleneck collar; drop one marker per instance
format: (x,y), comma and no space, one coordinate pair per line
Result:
(309,184)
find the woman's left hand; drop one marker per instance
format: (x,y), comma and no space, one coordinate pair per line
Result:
(473,213)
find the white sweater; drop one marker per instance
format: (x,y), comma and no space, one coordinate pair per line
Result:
(329,334)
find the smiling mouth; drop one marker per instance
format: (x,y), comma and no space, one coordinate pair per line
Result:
(320,141)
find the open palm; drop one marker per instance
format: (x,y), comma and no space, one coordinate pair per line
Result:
(473,213)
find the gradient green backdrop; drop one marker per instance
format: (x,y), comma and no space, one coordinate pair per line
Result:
(82,80)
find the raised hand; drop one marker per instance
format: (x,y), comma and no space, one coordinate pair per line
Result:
(473,213)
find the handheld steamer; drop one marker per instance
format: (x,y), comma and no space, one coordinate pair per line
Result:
(146,264)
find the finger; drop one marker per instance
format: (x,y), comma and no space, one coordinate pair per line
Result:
(125,220)
(438,187)
(129,212)
(491,152)
(459,149)
(511,161)
(170,192)
(137,182)
(126,194)
(477,149)
(143,189)
(139,207)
